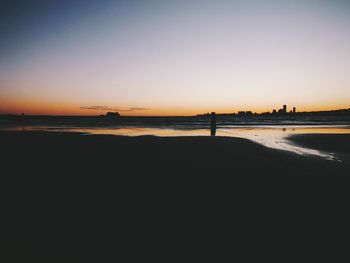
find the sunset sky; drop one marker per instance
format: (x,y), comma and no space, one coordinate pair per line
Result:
(173,57)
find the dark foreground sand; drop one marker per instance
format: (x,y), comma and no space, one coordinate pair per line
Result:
(67,197)
(339,143)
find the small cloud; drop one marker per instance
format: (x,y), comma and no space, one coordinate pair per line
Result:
(99,108)
(139,109)
(104,108)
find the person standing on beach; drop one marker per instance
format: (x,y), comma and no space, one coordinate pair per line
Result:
(212,124)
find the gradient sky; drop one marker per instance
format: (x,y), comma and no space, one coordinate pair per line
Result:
(173,57)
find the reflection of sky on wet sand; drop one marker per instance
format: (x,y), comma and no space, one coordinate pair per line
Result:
(275,137)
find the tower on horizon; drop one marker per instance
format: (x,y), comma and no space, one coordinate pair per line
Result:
(284,108)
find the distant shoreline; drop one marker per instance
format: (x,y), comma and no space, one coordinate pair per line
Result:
(339,112)
(223,120)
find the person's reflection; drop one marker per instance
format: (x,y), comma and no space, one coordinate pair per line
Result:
(22,123)
(212,124)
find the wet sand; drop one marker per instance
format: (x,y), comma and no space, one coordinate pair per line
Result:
(76,197)
(339,143)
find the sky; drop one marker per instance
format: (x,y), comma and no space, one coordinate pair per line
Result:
(181,57)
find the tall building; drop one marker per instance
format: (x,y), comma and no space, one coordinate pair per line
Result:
(284,108)
(294,110)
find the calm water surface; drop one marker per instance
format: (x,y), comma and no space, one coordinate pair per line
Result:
(272,136)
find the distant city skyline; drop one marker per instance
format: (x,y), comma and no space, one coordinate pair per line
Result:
(173,57)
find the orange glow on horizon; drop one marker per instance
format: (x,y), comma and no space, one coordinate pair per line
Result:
(36,107)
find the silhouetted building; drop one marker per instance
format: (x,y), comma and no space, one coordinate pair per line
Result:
(283,110)
(245,113)
(294,110)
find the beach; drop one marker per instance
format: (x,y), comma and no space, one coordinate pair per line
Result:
(69,193)
(325,142)
(174,131)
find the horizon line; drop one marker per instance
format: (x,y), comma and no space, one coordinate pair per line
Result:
(198,114)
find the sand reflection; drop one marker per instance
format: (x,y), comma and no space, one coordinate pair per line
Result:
(272,137)
(275,137)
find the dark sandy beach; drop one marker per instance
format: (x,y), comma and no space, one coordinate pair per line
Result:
(339,143)
(73,197)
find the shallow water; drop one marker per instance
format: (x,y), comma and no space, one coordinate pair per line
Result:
(272,136)
(277,138)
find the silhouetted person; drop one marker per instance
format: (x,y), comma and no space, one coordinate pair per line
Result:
(212,124)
